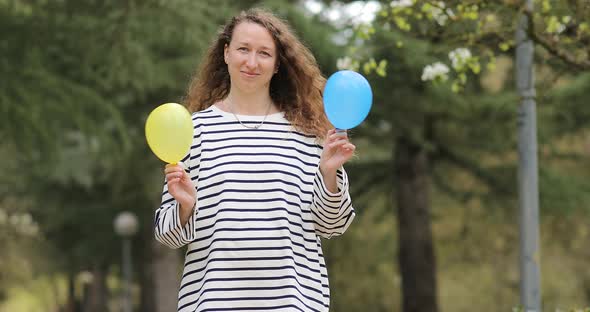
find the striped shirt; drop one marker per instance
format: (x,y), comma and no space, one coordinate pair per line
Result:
(262,206)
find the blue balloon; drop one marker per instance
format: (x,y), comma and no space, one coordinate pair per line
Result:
(347,99)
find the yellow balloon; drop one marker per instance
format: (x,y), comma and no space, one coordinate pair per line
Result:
(169,132)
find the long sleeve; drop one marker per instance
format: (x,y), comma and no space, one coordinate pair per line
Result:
(168,229)
(332,212)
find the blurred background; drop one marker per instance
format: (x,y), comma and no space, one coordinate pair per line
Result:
(435,181)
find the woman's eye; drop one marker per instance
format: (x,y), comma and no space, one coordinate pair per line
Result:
(242,49)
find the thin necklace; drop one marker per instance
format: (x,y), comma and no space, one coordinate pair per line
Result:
(247,126)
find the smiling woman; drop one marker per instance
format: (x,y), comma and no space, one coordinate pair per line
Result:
(251,61)
(263,180)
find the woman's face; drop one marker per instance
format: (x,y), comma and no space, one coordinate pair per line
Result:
(251,58)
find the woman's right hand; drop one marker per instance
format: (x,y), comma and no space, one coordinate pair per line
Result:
(180,186)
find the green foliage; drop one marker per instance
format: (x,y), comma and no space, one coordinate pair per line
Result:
(74,107)
(567,108)
(470,137)
(312,31)
(472,133)
(487,29)
(521,309)
(362,275)
(80,78)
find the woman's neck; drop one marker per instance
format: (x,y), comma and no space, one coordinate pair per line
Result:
(249,104)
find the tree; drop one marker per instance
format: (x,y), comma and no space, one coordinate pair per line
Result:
(90,74)
(85,75)
(428,134)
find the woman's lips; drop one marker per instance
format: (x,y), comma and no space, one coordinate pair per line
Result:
(249,74)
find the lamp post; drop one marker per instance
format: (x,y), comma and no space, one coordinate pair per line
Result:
(126,225)
(530,288)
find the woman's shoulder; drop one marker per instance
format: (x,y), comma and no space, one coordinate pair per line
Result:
(207,114)
(203,112)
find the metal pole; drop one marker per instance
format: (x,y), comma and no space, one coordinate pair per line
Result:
(530,290)
(127,307)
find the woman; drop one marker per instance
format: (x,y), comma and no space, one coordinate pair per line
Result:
(259,190)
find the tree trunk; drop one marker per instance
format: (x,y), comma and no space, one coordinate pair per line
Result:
(71,296)
(146,278)
(166,274)
(159,271)
(416,253)
(95,293)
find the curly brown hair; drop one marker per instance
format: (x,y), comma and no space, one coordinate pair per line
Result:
(296,88)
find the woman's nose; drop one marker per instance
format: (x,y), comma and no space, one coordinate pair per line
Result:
(251,61)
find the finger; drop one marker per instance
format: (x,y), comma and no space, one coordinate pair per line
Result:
(349,147)
(185,176)
(334,138)
(337,135)
(174,175)
(328,138)
(346,152)
(172,168)
(339,139)
(182,165)
(343,147)
(172,182)
(337,144)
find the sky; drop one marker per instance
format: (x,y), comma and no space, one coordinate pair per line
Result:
(357,12)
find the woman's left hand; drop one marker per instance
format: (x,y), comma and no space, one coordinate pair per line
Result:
(337,151)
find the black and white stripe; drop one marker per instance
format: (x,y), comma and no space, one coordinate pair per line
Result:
(262,206)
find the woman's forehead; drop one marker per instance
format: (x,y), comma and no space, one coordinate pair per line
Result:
(253,34)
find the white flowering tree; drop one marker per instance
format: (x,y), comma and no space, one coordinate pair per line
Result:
(424,53)
(477,31)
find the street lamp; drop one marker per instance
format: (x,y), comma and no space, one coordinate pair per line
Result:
(528,169)
(126,225)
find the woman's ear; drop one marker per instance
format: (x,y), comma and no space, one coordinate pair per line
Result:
(225,47)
